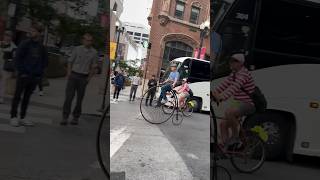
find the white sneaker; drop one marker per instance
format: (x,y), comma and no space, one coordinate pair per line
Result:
(163,101)
(41,93)
(14,122)
(26,122)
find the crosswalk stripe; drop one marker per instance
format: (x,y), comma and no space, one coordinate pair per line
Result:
(117,139)
(41,120)
(8,128)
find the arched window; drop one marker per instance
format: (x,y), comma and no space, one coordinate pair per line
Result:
(175,49)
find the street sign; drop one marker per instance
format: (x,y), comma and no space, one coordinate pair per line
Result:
(113,47)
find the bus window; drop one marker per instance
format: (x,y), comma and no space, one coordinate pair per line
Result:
(199,71)
(184,69)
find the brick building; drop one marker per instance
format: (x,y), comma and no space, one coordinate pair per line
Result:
(175,31)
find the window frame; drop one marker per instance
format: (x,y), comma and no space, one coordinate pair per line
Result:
(198,15)
(184,9)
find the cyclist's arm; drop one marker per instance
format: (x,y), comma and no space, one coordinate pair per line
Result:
(223,85)
(176,80)
(234,87)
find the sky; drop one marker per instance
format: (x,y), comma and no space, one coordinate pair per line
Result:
(136,11)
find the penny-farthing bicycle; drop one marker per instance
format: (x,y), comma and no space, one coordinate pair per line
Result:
(155,114)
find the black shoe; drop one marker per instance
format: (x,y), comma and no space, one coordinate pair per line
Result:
(146,104)
(74,122)
(64,122)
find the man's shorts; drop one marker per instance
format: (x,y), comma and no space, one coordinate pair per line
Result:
(244,108)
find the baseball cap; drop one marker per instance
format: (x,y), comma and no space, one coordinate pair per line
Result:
(173,65)
(239,57)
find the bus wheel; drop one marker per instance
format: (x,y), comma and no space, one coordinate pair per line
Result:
(196,102)
(271,128)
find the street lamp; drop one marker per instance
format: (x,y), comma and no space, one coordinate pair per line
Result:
(204,29)
(119,31)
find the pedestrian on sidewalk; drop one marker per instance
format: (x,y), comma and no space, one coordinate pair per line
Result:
(119,81)
(81,68)
(152,85)
(31,60)
(7,52)
(136,81)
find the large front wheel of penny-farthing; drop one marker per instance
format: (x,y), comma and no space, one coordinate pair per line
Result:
(150,110)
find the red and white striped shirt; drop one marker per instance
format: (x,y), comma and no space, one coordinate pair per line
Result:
(231,86)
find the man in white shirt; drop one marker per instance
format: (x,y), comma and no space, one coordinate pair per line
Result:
(136,80)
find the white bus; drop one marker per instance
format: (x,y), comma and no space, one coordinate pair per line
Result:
(198,78)
(281,41)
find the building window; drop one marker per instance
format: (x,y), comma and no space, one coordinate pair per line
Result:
(194,16)
(137,42)
(144,39)
(129,32)
(145,35)
(137,38)
(175,49)
(179,10)
(137,34)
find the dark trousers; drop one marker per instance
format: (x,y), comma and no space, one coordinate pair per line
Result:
(77,83)
(25,86)
(151,94)
(133,91)
(164,89)
(116,92)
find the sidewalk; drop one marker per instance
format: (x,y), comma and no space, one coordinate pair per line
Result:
(126,91)
(54,95)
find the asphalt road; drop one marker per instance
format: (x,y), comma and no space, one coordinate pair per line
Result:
(303,168)
(145,151)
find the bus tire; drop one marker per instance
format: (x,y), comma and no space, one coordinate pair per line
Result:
(197,104)
(274,124)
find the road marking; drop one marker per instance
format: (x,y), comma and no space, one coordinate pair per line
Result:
(8,128)
(193,156)
(117,139)
(41,120)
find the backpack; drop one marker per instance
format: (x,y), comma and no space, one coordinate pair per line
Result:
(258,99)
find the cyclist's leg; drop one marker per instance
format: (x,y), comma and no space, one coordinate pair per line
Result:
(164,90)
(232,115)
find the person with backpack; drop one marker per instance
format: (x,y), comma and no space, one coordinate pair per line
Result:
(183,92)
(30,61)
(239,85)
(7,53)
(119,81)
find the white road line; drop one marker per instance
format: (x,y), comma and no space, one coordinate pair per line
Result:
(41,120)
(8,128)
(117,139)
